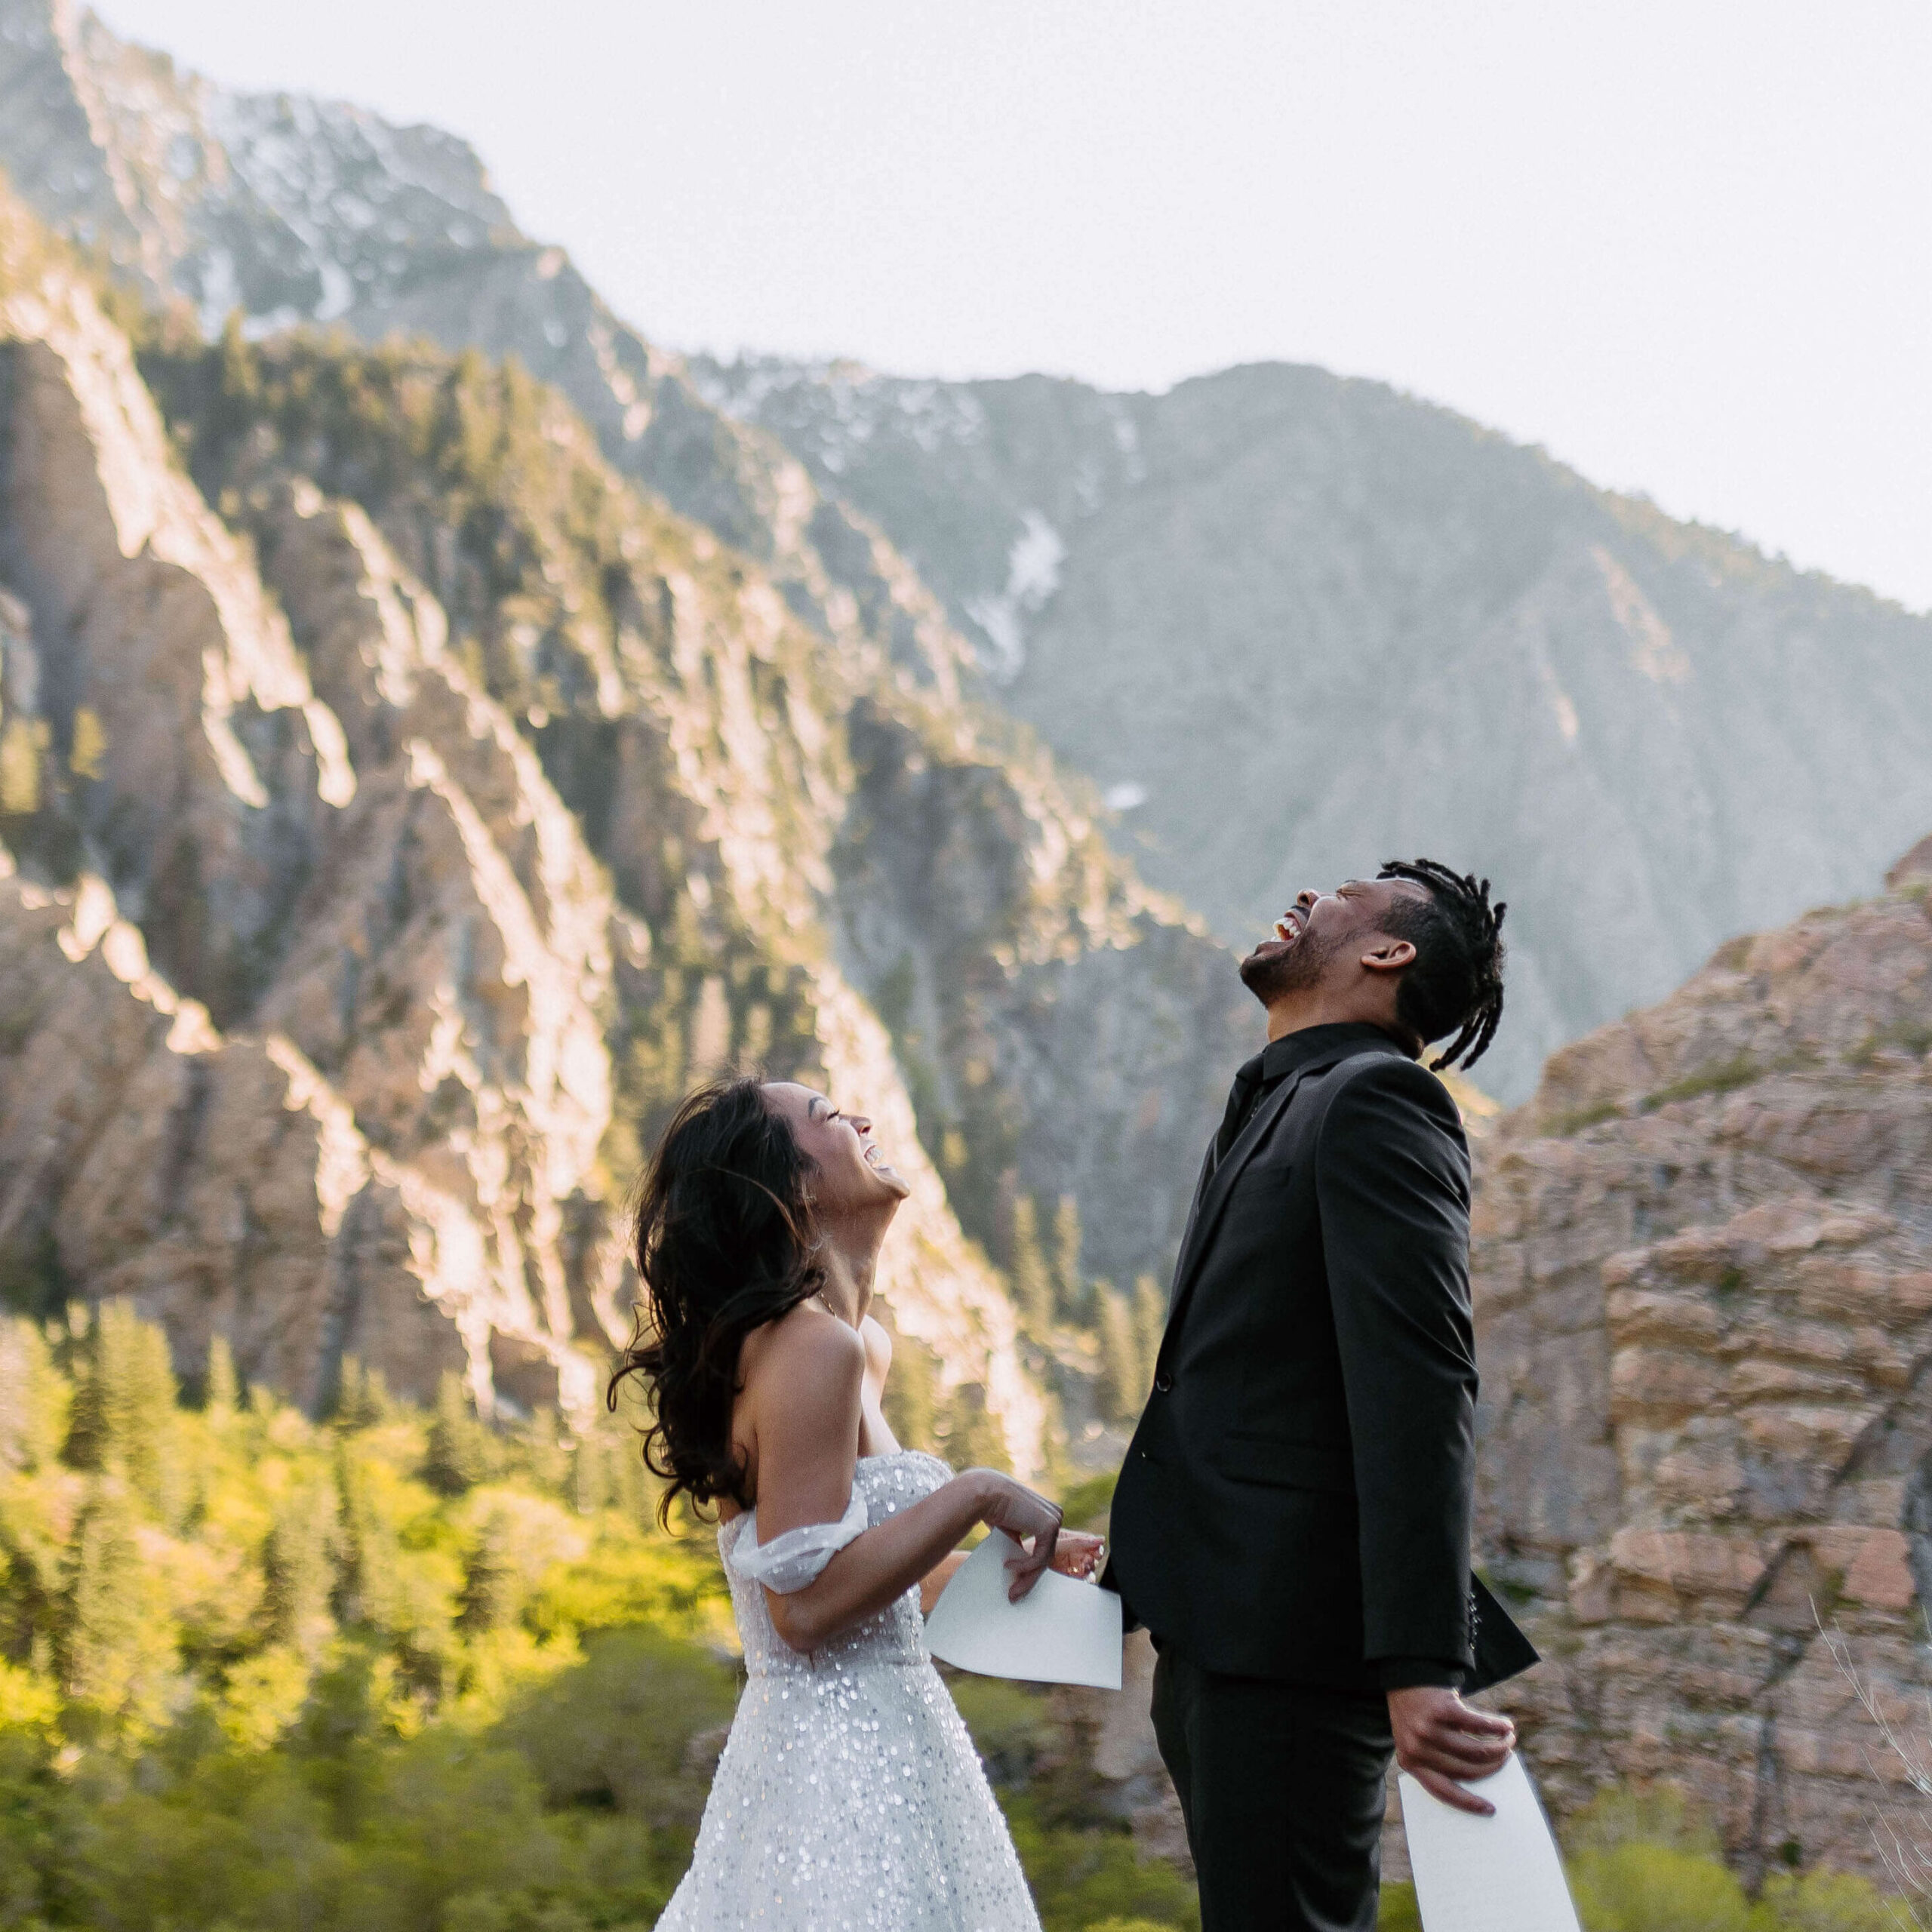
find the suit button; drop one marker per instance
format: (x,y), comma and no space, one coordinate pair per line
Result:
(1162,1383)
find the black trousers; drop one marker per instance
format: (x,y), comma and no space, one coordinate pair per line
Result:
(1282,1785)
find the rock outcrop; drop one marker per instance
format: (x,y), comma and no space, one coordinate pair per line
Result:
(377,886)
(319,988)
(494,802)
(281,211)
(1703,1268)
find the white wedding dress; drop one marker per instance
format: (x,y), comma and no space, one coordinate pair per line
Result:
(849,1793)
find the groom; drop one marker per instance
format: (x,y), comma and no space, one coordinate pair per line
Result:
(1292,1523)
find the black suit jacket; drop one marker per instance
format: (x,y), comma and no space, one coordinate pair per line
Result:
(1295,1503)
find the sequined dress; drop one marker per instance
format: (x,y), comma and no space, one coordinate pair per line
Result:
(849,1794)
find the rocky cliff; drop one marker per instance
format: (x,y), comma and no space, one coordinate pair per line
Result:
(255,776)
(283,211)
(1293,624)
(389,733)
(1703,1269)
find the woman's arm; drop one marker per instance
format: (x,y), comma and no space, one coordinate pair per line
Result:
(887,1560)
(806,1409)
(932,1585)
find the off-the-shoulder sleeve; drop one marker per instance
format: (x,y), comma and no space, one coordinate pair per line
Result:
(790,1561)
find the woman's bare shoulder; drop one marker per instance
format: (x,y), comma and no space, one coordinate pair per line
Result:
(806,1349)
(878,1340)
(804,1395)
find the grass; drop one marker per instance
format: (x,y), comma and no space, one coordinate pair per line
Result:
(1722,1076)
(1910,1036)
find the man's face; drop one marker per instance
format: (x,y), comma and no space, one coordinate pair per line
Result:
(1322,935)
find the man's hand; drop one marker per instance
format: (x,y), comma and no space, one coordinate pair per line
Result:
(1439,1740)
(1077,1553)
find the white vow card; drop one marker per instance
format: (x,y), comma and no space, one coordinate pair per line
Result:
(1486,1875)
(1059,1632)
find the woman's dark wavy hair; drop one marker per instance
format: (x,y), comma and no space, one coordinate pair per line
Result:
(722,1243)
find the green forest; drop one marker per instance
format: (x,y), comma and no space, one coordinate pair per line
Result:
(396,1671)
(393,1670)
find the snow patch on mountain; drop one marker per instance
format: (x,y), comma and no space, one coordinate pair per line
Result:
(1033,575)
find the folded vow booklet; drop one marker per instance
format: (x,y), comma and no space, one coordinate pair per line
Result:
(1486,1875)
(1059,1632)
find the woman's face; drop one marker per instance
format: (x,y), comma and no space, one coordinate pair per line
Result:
(853,1173)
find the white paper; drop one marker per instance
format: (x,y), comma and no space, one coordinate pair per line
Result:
(1486,1875)
(1059,1632)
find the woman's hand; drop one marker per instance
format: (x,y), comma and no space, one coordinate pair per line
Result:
(1030,1520)
(1077,1554)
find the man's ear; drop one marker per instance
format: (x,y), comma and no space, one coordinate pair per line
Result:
(1388,955)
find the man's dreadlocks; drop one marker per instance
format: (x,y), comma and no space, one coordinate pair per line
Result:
(1457,981)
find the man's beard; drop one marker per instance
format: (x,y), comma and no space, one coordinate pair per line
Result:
(1294,971)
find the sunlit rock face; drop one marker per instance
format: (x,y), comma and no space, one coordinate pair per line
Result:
(477,805)
(1703,1269)
(695,723)
(1293,625)
(362,906)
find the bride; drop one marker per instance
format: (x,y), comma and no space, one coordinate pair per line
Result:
(849,1793)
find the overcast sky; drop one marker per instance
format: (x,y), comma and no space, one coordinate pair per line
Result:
(1687,246)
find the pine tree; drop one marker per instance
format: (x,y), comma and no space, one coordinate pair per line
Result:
(297,1569)
(591,1487)
(1069,1286)
(124,1406)
(1120,1354)
(973,1438)
(33,1398)
(910,1400)
(1032,1280)
(458,1454)
(363,1399)
(223,1392)
(1150,1323)
(97,1641)
(367,1591)
(492,1586)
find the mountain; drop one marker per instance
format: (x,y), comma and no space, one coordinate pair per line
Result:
(1027,936)
(1703,1273)
(292,210)
(328,1028)
(1294,625)
(467,801)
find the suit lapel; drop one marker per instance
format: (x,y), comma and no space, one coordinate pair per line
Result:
(1212,1198)
(1193,1220)
(1211,1195)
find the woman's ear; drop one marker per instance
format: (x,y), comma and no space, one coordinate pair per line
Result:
(1389,955)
